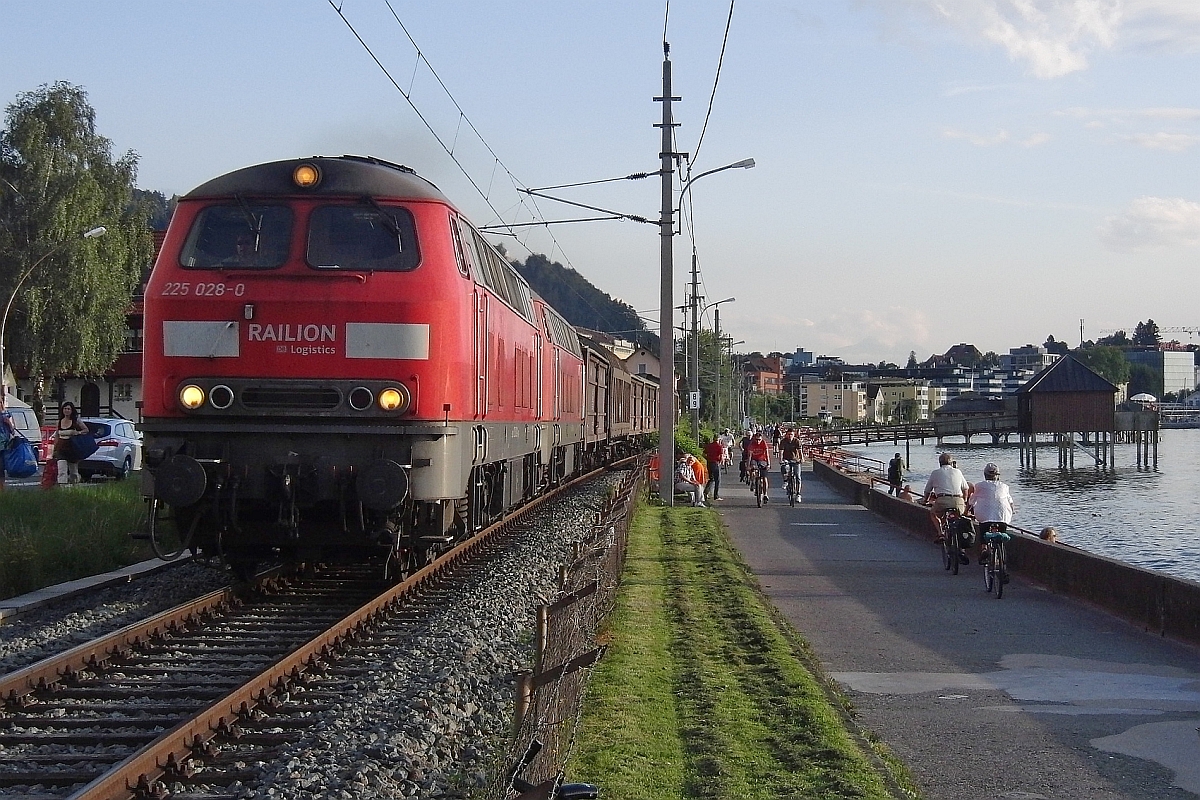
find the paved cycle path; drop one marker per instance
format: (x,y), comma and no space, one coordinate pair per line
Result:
(1032,696)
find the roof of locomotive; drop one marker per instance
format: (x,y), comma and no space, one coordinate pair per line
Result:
(340,175)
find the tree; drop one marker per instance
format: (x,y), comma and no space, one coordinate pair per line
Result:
(1147,333)
(912,360)
(1054,346)
(70,316)
(990,359)
(1144,378)
(1118,339)
(1108,362)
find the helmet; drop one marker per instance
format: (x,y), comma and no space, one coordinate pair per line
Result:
(991,471)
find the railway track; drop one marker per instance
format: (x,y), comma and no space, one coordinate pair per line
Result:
(195,696)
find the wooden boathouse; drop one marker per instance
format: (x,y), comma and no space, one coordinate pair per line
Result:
(1065,399)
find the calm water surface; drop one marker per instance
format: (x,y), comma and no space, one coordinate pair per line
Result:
(1140,516)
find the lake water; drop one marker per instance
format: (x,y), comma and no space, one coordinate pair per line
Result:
(1139,516)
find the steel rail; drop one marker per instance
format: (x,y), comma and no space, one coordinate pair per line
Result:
(172,750)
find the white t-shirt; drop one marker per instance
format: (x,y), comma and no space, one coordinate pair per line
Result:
(992,502)
(946,480)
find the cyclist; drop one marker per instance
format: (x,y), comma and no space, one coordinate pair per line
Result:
(758,457)
(946,489)
(991,501)
(790,455)
(726,440)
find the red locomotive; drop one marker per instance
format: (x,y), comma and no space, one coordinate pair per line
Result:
(337,364)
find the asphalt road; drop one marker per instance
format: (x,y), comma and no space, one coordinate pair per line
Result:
(1032,696)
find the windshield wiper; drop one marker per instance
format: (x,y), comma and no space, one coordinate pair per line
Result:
(255,224)
(387,219)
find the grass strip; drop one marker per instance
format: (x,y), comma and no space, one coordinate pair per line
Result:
(64,534)
(702,694)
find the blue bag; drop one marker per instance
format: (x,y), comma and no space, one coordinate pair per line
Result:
(83,445)
(19,458)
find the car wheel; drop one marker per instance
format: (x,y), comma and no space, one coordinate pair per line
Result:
(126,466)
(84,477)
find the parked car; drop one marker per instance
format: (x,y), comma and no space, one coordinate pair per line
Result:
(23,418)
(119,451)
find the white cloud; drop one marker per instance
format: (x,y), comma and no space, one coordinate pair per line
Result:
(1171,142)
(1053,38)
(1036,140)
(976,139)
(1152,222)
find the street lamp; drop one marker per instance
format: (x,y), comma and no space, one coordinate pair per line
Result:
(667,390)
(90,234)
(695,397)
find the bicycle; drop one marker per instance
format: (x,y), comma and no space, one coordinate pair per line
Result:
(552,789)
(995,557)
(952,548)
(758,482)
(791,477)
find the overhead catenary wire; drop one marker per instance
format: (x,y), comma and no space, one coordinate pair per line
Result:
(535,213)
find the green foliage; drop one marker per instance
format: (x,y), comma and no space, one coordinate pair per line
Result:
(1054,346)
(1144,378)
(912,360)
(1118,339)
(1107,361)
(156,207)
(69,317)
(581,303)
(1147,333)
(64,534)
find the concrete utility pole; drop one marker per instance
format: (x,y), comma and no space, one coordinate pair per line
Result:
(667,394)
(694,395)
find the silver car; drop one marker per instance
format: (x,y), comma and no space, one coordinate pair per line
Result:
(119,451)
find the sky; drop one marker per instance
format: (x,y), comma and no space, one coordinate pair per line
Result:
(928,172)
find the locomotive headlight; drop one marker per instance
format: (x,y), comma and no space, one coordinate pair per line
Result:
(393,399)
(191,397)
(306,176)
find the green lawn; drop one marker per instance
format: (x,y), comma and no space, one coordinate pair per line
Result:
(705,693)
(47,537)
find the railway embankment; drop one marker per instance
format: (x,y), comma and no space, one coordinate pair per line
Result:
(1159,603)
(705,692)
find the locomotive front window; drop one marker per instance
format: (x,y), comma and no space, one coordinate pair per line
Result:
(366,237)
(241,236)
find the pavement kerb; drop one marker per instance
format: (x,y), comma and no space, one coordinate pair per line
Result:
(14,607)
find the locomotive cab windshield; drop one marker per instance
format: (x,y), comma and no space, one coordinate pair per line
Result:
(367,238)
(241,236)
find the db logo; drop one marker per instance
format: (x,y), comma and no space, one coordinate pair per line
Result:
(281,348)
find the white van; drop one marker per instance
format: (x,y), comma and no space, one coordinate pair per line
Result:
(24,419)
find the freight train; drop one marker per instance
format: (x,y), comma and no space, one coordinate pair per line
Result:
(338,365)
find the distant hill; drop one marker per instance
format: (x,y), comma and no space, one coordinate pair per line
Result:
(581,303)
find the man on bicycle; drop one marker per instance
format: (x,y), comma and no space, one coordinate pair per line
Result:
(759,458)
(946,489)
(991,501)
(790,455)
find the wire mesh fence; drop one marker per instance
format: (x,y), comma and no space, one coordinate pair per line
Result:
(549,697)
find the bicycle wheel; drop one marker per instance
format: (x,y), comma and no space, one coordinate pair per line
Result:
(791,490)
(989,571)
(758,493)
(1001,569)
(945,548)
(952,541)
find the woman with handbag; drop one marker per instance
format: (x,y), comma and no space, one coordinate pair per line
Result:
(69,426)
